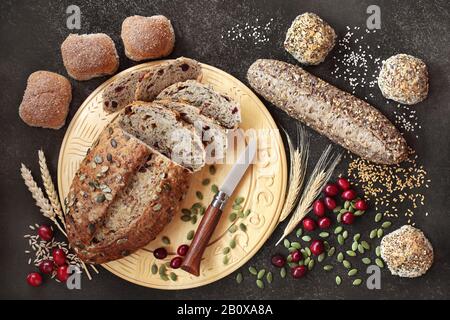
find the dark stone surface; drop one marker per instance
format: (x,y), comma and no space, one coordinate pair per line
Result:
(32,31)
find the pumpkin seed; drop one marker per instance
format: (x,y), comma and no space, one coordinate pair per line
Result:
(283,273)
(260,284)
(190,235)
(308,252)
(311,264)
(164,277)
(225,260)
(186,212)
(214,188)
(173,276)
(239,278)
(253,271)
(355,246)
(292,264)
(340,257)
(239,200)
(306,238)
(247,213)
(165,240)
(236,207)
(324,234)
(386,224)
(339,217)
(357,282)
(321,257)
(232,217)
(186,218)
(162,269)
(359,213)
(380,233)
(226,250)
(243,227)
(361,248)
(328,267)
(337,209)
(338,280)
(299,232)
(194,219)
(212,170)
(343,211)
(365,245)
(356,237)
(269,277)
(378,217)
(306,261)
(346,205)
(154,269)
(232,229)
(373,234)
(379,262)
(378,251)
(346,264)
(232,244)
(206,181)
(331,251)
(296,245)
(351,209)
(338,230)
(366,261)
(345,234)
(340,239)
(199,195)
(352,272)
(240,214)
(292,249)
(351,253)
(286,243)
(261,273)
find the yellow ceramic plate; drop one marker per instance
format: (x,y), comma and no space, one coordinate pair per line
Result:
(263,188)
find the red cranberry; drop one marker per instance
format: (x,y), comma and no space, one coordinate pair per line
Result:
(331,190)
(309,224)
(175,263)
(298,272)
(62,273)
(59,257)
(46,267)
(343,184)
(348,218)
(296,256)
(278,261)
(319,208)
(34,279)
(361,205)
(348,195)
(160,253)
(182,250)
(324,223)
(45,232)
(317,247)
(330,203)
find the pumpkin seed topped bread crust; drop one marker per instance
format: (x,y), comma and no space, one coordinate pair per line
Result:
(212,104)
(407,252)
(404,78)
(309,39)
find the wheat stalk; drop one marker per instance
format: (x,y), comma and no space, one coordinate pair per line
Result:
(50,188)
(299,161)
(319,177)
(37,194)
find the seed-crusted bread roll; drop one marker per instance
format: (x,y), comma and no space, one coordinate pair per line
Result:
(88,56)
(122,196)
(407,252)
(309,39)
(46,100)
(343,118)
(147,37)
(404,78)
(212,104)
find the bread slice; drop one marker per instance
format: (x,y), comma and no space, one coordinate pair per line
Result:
(121,92)
(166,74)
(213,135)
(211,103)
(163,130)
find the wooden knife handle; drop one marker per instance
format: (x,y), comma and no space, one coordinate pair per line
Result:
(191,262)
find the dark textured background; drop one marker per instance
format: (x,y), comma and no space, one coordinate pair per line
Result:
(32,31)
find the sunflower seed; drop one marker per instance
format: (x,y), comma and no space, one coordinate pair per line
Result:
(186,211)
(337,209)
(308,252)
(225,260)
(358,213)
(239,200)
(361,248)
(194,219)
(232,229)
(306,261)
(345,234)
(232,217)
(243,227)
(236,207)
(346,205)
(311,264)
(186,218)
(339,217)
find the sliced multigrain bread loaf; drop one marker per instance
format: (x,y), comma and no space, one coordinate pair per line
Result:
(122,196)
(121,92)
(165,131)
(211,103)
(213,135)
(161,76)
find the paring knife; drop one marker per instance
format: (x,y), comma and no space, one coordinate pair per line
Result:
(212,215)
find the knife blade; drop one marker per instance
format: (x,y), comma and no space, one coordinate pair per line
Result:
(191,262)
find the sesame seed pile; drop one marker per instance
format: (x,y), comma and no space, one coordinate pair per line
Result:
(388,187)
(255,32)
(355,61)
(407,119)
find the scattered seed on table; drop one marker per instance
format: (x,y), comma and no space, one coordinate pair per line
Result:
(340,239)
(378,251)
(296,245)
(380,233)
(239,200)
(306,261)
(283,272)
(328,267)
(311,264)
(352,272)
(324,234)
(286,243)
(173,276)
(340,257)
(379,262)
(339,217)
(366,261)
(261,273)
(378,217)
(351,253)
(356,237)
(206,181)
(154,269)
(232,244)
(373,234)
(243,227)
(346,205)
(260,284)
(190,235)
(338,230)
(165,240)
(338,280)
(226,250)
(269,277)
(232,217)
(292,249)
(186,211)
(354,246)
(236,207)
(365,245)
(337,209)
(357,282)
(386,224)
(239,278)
(331,251)
(225,260)
(194,219)
(321,257)
(299,232)
(186,218)
(212,170)
(306,238)
(232,229)
(345,234)
(361,248)
(346,264)
(359,213)
(240,214)
(253,270)
(247,212)
(308,252)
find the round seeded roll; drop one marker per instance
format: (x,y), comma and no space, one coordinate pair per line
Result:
(89,56)
(46,100)
(147,37)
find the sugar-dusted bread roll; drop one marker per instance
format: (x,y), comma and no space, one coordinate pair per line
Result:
(88,56)
(46,100)
(147,37)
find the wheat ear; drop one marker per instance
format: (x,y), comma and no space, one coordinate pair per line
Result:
(319,177)
(50,188)
(297,171)
(37,194)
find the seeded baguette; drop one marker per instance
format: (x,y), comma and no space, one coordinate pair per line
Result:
(343,118)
